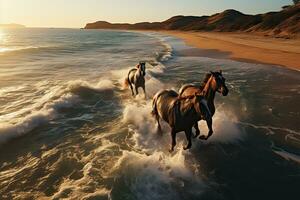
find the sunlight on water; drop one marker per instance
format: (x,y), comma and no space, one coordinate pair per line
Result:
(70,129)
(2,41)
(2,36)
(3,49)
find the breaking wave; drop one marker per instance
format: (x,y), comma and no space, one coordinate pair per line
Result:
(9,50)
(159,176)
(150,169)
(47,108)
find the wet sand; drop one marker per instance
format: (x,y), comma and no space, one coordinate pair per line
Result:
(244,47)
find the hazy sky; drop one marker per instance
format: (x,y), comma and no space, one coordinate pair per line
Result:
(76,13)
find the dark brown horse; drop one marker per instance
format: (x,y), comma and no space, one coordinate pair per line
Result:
(135,77)
(180,113)
(213,82)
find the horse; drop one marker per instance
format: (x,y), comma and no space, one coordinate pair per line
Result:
(213,82)
(136,77)
(180,113)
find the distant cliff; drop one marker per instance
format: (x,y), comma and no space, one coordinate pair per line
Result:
(11,26)
(284,22)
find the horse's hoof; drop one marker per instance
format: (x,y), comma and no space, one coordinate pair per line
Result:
(203,137)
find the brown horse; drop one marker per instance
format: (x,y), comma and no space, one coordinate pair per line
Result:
(180,113)
(213,82)
(136,77)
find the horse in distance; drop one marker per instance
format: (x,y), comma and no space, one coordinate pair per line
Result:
(136,78)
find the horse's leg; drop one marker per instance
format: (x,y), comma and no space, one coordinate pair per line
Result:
(173,138)
(144,90)
(131,89)
(210,130)
(136,89)
(188,134)
(209,125)
(197,130)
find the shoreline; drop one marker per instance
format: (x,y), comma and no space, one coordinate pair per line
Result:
(243,47)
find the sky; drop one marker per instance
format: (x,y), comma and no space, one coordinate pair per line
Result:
(76,13)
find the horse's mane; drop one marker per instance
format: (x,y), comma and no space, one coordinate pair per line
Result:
(207,77)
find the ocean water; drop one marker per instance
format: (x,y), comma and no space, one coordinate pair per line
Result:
(69,129)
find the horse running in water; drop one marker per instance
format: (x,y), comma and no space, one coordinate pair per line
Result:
(136,78)
(213,82)
(180,113)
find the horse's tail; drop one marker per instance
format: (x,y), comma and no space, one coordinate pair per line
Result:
(184,87)
(126,82)
(155,111)
(154,106)
(154,103)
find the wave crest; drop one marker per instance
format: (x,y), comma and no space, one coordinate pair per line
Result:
(46,109)
(159,176)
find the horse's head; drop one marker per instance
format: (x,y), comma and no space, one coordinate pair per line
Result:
(142,66)
(218,83)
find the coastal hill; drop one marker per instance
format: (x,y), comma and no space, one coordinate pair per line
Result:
(283,23)
(11,26)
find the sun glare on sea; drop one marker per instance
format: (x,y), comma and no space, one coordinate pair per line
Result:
(1,35)
(2,41)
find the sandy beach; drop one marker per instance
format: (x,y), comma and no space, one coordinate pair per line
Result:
(245,47)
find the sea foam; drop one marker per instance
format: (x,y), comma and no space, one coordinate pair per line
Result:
(47,108)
